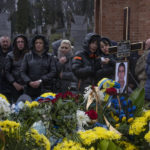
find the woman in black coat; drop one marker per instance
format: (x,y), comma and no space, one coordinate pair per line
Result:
(65,75)
(13,65)
(87,63)
(38,68)
(108,60)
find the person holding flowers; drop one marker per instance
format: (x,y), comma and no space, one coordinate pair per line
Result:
(38,68)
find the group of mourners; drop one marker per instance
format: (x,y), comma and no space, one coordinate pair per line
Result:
(33,70)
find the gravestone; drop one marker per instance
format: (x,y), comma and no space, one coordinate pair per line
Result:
(5,24)
(78,32)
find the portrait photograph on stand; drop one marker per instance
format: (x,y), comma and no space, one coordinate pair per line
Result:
(121,76)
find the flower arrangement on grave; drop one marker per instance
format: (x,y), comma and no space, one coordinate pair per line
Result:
(18,136)
(101,119)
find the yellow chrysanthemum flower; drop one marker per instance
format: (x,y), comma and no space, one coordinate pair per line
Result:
(48,94)
(117,125)
(123,119)
(130,120)
(116,118)
(4,97)
(98,133)
(127,145)
(147,137)
(147,115)
(138,126)
(69,145)
(9,126)
(5,129)
(40,139)
(32,104)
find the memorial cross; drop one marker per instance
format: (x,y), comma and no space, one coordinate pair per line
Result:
(124,47)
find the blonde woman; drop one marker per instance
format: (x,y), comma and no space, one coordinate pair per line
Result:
(66,78)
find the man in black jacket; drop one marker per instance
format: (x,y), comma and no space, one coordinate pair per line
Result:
(86,63)
(5,47)
(38,68)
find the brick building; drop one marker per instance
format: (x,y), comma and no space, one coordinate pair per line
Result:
(109,18)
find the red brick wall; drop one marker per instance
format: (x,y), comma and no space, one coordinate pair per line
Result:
(111,21)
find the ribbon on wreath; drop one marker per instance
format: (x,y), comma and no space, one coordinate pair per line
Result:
(94,96)
(94,93)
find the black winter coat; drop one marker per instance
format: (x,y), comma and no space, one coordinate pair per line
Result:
(12,69)
(4,84)
(132,64)
(107,70)
(35,67)
(147,84)
(68,79)
(86,65)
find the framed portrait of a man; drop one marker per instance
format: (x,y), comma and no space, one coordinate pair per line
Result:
(121,76)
